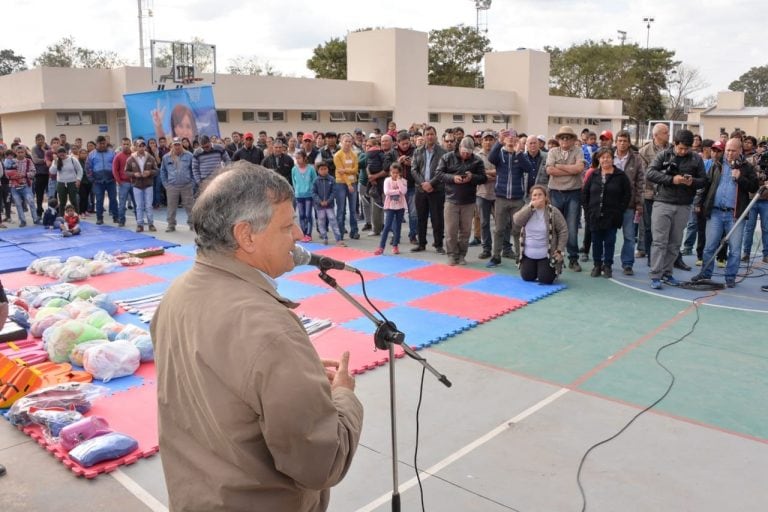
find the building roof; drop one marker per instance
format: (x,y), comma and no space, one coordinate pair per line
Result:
(742,112)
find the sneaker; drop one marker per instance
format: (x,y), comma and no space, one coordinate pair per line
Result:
(699,277)
(367,227)
(640,254)
(628,271)
(66,234)
(764,288)
(595,271)
(475,242)
(306,238)
(413,241)
(341,243)
(379,251)
(730,283)
(745,258)
(493,262)
(38,222)
(169,229)
(508,254)
(418,248)
(395,249)
(152,227)
(656,284)
(453,262)
(355,236)
(574,265)
(607,271)
(720,263)
(99,222)
(325,241)
(139,229)
(584,256)
(686,251)
(485,255)
(22,224)
(670,280)
(462,261)
(121,225)
(439,250)
(699,262)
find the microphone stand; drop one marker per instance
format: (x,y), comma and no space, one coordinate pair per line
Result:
(385,338)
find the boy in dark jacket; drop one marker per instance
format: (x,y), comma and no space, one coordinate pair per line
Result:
(322,199)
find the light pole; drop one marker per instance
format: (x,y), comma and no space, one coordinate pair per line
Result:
(648,20)
(482,5)
(622,36)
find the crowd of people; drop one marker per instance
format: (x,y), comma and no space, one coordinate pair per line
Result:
(668,199)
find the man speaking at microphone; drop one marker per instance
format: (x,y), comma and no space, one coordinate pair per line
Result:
(250,418)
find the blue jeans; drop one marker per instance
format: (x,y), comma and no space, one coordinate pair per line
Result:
(718,225)
(326,217)
(52,184)
(304,205)
(157,194)
(628,230)
(761,209)
(603,246)
(485,206)
(691,231)
(413,219)
(393,221)
(569,204)
(20,196)
(143,198)
(343,195)
(99,188)
(123,192)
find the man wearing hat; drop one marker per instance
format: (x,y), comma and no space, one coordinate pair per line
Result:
(565,165)
(308,145)
(249,151)
(176,176)
(206,160)
(606,139)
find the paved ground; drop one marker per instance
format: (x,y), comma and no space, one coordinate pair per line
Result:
(532,391)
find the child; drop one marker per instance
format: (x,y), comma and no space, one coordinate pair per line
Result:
(51,217)
(395,188)
(303,176)
(322,195)
(71,224)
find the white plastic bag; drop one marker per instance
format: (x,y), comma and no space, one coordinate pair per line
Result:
(112,360)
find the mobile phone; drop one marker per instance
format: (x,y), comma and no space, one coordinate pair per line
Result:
(687,176)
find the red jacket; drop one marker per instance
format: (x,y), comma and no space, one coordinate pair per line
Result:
(118,167)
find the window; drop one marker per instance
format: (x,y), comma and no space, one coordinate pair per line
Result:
(458,118)
(249,116)
(67,118)
(499,119)
(94,117)
(263,117)
(338,116)
(223,116)
(278,116)
(363,117)
(478,118)
(434,117)
(309,116)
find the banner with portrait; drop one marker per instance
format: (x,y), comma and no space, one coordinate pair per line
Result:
(186,113)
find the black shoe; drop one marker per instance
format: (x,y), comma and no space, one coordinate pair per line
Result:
(730,283)
(367,227)
(607,271)
(355,236)
(99,222)
(485,255)
(764,288)
(439,250)
(493,262)
(595,271)
(2,470)
(475,242)
(680,264)
(508,254)
(628,271)
(699,277)
(418,248)
(574,265)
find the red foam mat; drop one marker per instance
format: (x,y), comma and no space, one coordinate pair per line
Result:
(162,259)
(363,355)
(116,281)
(333,306)
(446,275)
(344,253)
(478,306)
(15,280)
(132,412)
(342,278)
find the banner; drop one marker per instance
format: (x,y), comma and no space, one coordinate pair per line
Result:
(188,112)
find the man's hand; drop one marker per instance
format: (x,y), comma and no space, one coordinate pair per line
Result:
(342,378)
(426,187)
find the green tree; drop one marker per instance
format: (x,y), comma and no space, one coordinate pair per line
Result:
(329,60)
(754,84)
(601,70)
(11,63)
(455,54)
(251,65)
(65,53)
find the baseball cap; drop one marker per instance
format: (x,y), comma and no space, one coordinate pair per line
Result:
(488,134)
(308,136)
(176,140)
(606,135)
(478,133)
(718,146)
(358,130)
(248,135)
(62,149)
(542,138)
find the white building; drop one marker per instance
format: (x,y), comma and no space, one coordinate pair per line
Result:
(387,80)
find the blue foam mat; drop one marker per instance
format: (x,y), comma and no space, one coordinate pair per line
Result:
(189,251)
(396,289)
(422,328)
(389,264)
(14,258)
(297,291)
(140,291)
(131,319)
(513,287)
(169,271)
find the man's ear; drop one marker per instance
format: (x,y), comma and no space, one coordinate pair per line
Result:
(243,234)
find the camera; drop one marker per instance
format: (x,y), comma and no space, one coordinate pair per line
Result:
(671,168)
(763,162)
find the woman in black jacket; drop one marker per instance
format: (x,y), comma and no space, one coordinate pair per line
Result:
(606,194)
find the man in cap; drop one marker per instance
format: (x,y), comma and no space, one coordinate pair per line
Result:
(249,151)
(606,139)
(565,165)
(176,176)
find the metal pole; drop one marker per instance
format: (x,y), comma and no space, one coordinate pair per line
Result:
(141,36)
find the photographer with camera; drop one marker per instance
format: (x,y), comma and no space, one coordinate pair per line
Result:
(760,162)
(725,198)
(677,173)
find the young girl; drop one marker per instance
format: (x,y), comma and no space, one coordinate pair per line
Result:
(395,188)
(303,176)
(71,224)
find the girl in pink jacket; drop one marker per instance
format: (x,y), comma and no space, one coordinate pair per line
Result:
(395,188)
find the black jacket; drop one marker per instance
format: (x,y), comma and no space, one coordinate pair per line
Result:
(605,202)
(666,165)
(282,165)
(419,165)
(254,155)
(745,185)
(450,166)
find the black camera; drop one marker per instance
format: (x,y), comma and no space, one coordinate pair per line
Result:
(763,162)
(671,168)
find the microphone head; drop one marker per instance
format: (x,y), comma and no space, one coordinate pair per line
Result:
(301,256)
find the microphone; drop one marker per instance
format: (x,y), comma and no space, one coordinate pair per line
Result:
(301,256)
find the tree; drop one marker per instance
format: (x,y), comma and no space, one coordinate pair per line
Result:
(754,84)
(601,70)
(66,54)
(683,82)
(242,65)
(329,60)
(455,54)
(11,63)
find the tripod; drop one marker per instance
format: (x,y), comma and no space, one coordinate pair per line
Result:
(385,338)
